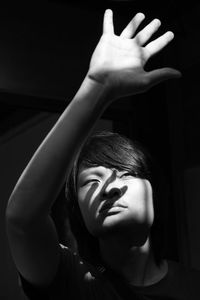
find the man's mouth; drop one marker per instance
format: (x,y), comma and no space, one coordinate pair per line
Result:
(109,204)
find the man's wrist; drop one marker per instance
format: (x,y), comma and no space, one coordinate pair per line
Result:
(98,88)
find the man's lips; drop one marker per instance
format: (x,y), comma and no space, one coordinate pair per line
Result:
(108,204)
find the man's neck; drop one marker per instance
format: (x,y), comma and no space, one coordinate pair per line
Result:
(136,264)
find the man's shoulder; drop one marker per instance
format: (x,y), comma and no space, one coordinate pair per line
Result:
(180,282)
(185,278)
(178,268)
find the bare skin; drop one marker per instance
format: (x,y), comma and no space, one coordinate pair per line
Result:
(123,230)
(116,70)
(135,264)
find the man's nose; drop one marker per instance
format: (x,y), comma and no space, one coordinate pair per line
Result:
(113,192)
(113,188)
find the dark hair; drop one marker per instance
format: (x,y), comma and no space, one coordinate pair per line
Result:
(113,150)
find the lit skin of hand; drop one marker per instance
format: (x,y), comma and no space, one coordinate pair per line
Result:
(118,61)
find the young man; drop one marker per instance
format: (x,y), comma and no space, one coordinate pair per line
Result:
(48,270)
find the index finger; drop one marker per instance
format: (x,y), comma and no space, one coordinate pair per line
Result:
(108,22)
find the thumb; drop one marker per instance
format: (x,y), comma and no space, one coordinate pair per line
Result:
(159,75)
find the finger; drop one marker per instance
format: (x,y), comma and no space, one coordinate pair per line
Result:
(158,44)
(131,28)
(156,76)
(108,22)
(144,35)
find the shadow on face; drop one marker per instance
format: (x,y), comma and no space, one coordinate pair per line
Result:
(113,190)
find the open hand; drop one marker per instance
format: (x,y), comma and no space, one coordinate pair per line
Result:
(118,61)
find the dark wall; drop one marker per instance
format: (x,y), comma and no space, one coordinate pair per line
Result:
(45,50)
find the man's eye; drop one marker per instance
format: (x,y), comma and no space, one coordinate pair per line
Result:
(130,175)
(126,174)
(90,180)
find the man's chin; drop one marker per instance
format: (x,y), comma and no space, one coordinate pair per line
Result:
(138,234)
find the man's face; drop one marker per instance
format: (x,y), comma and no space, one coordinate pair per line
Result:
(114,202)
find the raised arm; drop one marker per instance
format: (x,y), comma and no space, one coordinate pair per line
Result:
(116,69)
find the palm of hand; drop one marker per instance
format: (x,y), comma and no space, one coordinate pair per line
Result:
(118,61)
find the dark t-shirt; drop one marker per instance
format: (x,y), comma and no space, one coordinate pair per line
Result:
(76,279)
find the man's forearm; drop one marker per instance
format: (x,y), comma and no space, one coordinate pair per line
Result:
(39,184)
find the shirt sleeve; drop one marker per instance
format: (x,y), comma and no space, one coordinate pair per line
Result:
(59,286)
